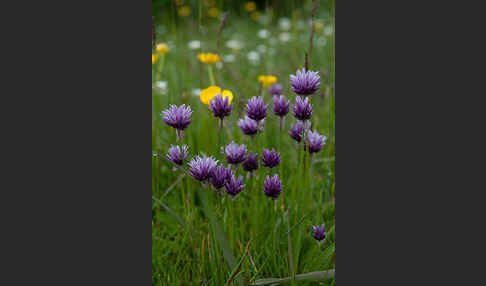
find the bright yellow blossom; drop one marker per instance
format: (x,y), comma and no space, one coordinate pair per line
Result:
(213,12)
(208,3)
(250,6)
(154,58)
(255,15)
(184,11)
(211,92)
(318,27)
(162,48)
(267,80)
(208,58)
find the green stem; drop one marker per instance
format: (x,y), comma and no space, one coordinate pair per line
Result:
(211,75)
(162,61)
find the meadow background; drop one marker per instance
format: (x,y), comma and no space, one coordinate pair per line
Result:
(199,237)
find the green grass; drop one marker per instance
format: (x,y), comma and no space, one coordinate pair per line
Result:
(201,238)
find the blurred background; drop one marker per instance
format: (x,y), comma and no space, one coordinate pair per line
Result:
(259,37)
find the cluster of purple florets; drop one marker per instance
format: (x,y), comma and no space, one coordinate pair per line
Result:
(206,169)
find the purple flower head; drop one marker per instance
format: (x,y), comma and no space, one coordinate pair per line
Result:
(220,176)
(177,117)
(235,154)
(272,187)
(270,158)
(280,105)
(256,108)
(220,107)
(296,131)
(177,155)
(248,126)
(251,162)
(275,89)
(302,109)
(202,168)
(305,82)
(261,125)
(318,232)
(233,186)
(316,141)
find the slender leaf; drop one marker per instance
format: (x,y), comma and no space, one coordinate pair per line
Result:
(318,275)
(290,251)
(236,270)
(218,231)
(167,209)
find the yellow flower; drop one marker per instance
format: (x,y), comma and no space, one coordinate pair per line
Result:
(154,58)
(184,11)
(208,3)
(250,6)
(267,80)
(213,12)
(162,48)
(211,92)
(255,15)
(208,58)
(318,27)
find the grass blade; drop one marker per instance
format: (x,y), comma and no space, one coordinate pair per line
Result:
(237,268)
(218,231)
(174,184)
(318,275)
(290,250)
(167,209)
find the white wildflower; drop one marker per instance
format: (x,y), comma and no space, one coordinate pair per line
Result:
(229,58)
(194,45)
(284,24)
(284,37)
(328,30)
(263,34)
(196,92)
(234,44)
(254,57)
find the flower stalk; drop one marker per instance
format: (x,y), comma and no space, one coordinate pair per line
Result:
(211,75)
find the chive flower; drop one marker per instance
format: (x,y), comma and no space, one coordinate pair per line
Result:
(318,232)
(272,187)
(305,82)
(275,89)
(270,158)
(280,105)
(261,125)
(256,108)
(235,154)
(251,162)
(302,109)
(220,107)
(177,155)
(281,108)
(248,126)
(220,176)
(315,141)
(296,131)
(234,186)
(178,118)
(202,168)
